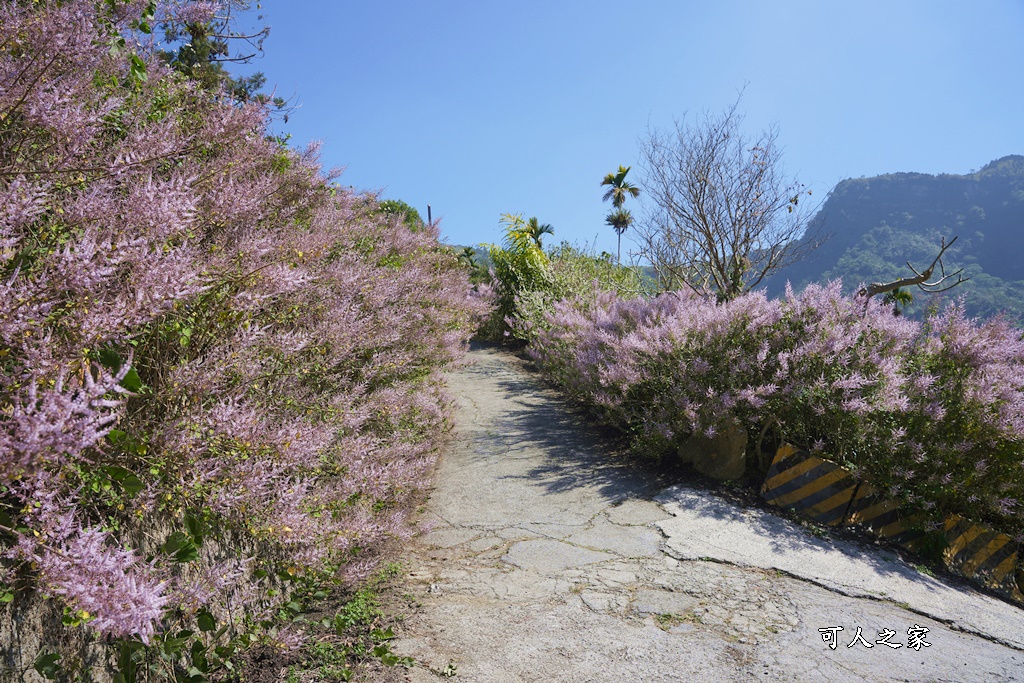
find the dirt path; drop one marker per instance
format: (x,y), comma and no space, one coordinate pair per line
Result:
(551,560)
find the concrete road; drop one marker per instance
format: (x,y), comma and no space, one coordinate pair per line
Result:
(552,559)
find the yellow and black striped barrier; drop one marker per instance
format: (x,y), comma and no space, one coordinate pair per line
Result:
(884,518)
(827,493)
(985,556)
(809,485)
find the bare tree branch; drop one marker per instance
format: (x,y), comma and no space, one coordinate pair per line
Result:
(920,279)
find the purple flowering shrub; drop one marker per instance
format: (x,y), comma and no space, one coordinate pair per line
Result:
(218,366)
(964,444)
(932,413)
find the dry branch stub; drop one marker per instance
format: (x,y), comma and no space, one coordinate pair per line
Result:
(920,278)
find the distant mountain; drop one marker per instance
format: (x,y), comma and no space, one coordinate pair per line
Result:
(878,224)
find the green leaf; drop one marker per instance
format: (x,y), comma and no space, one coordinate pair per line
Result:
(187,554)
(199,657)
(181,547)
(173,646)
(195,528)
(116,473)
(206,621)
(138,68)
(127,443)
(132,382)
(110,359)
(117,437)
(47,665)
(132,484)
(387,658)
(378,634)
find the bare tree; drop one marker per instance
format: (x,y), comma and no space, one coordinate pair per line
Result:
(724,215)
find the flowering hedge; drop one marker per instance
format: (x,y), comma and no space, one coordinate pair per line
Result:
(933,412)
(218,367)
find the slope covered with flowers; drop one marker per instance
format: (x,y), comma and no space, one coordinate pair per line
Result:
(218,367)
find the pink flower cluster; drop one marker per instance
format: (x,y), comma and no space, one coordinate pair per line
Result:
(197,324)
(933,411)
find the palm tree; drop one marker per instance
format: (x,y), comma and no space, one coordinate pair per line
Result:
(899,298)
(620,220)
(534,230)
(618,189)
(468,256)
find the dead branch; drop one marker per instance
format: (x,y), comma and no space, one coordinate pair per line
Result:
(920,278)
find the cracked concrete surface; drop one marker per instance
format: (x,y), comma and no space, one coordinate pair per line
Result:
(551,559)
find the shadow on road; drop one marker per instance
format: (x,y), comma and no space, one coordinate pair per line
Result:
(578,451)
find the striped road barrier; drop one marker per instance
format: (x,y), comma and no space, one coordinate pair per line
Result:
(814,487)
(828,494)
(983,555)
(884,518)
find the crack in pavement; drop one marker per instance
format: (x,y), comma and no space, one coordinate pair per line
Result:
(563,563)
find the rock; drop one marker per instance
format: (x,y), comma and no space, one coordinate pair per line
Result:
(722,457)
(687,448)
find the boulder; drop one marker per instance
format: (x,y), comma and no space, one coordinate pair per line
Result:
(723,456)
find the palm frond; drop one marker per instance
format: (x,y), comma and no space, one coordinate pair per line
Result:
(620,220)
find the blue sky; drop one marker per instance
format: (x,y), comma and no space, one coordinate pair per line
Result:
(480,108)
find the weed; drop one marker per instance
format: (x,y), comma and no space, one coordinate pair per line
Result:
(449,671)
(692,618)
(815,529)
(667,620)
(390,571)
(359,611)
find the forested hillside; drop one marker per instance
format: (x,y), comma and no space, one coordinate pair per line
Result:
(877,224)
